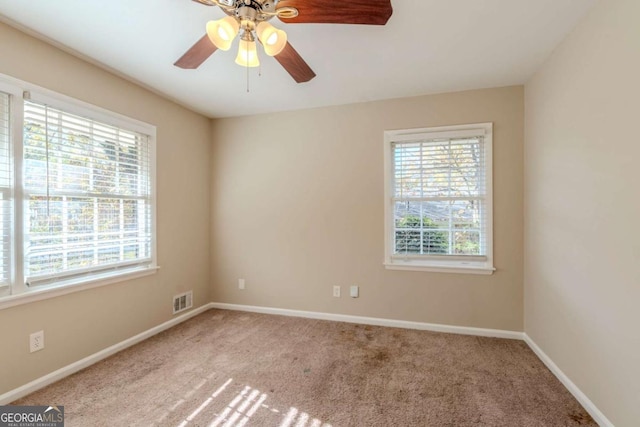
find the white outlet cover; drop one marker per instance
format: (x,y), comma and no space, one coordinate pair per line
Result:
(241,283)
(36,341)
(336,291)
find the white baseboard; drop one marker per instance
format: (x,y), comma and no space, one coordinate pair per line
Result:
(44,381)
(595,413)
(463,330)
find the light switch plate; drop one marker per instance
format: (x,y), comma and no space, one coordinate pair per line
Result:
(354,291)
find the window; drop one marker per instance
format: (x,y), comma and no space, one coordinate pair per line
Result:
(82,179)
(438,199)
(6,206)
(87,196)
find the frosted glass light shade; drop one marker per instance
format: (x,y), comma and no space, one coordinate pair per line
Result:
(222,32)
(247,54)
(273,39)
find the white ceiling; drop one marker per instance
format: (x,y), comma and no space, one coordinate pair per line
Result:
(428,46)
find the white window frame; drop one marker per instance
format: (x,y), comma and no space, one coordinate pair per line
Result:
(439,264)
(20,292)
(11,91)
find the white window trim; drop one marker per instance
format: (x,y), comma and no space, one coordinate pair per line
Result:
(20,292)
(68,287)
(451,264)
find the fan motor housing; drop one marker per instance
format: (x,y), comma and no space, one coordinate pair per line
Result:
(246,13)
(251,10)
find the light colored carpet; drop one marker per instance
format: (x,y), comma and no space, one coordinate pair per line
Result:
(235,369)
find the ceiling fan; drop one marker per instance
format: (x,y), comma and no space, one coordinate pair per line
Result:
(250,19)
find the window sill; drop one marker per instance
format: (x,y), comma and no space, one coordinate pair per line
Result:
(439,268)
(56,290)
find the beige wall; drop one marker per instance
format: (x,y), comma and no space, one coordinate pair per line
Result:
(83,323)
(582,275)
(298,207)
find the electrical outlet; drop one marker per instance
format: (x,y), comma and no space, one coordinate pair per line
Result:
(336,291)
(240,283)
(36,341)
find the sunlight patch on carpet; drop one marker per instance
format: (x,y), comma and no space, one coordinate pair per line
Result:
(301,419)
(205,403)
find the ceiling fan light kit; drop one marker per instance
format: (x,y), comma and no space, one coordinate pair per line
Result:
(247,54)
(249,17)
(273,39)
(223,31)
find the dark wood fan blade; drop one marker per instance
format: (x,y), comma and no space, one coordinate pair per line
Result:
(369,12)
(197,54)
(291,60)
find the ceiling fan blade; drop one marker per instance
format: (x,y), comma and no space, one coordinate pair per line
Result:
(205,2)
(291,60)
(197,54)
(368,12)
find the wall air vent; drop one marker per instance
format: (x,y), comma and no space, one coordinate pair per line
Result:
(182,302)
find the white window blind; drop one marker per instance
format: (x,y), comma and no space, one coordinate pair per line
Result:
(438,210)
(6,205)
(439,197)
(87,192)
